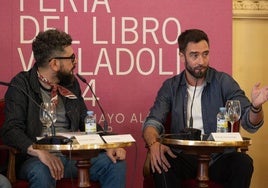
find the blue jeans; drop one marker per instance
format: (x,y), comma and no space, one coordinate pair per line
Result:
(102,169)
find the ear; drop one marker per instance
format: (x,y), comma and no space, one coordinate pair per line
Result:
(182,57)
(54,64)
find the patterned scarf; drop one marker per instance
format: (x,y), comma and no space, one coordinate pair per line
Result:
(55,89)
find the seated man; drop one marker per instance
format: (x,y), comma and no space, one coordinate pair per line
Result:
(198,92)
(4,182)
(52,79)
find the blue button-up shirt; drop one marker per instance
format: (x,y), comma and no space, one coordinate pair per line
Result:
(172,100)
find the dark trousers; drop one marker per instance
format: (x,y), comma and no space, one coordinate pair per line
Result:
(233,170)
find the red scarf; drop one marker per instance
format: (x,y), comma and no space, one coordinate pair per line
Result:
(55,89)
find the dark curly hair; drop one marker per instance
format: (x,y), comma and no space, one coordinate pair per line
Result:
(191,35)
(48,43)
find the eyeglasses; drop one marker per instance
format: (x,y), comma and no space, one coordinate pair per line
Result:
(72,58)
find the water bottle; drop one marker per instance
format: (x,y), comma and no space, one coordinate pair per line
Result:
(222,121)
(90,122)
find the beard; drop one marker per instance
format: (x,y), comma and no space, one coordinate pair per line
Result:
(65,78)
(197,72)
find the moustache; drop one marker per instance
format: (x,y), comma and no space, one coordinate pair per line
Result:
(200,67)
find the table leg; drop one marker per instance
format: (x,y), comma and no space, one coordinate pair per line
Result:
(202,174)
(83,173)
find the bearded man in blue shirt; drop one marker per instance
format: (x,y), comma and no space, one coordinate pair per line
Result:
(209,89)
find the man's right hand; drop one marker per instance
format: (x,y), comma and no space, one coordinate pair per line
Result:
(51,161)
(158,160)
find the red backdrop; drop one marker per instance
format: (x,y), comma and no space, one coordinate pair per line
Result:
(126,49)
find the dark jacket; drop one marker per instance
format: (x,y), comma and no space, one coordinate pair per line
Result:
(22,124)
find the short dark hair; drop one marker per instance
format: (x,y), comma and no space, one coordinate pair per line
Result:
(191,35)
(48,43)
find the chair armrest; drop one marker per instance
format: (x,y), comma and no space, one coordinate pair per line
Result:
(147,165)
(244,149)
(11,171)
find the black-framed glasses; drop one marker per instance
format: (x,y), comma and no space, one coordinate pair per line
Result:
(72,58)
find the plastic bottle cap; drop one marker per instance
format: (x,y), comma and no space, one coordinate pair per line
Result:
(90,112)
(222,109)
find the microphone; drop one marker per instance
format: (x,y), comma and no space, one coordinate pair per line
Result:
(191,108)
(105,124)
(48,139)
(193,134)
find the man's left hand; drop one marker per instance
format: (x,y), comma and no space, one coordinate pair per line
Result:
(116,154)
(259,95)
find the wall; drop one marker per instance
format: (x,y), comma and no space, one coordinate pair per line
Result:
(250,56)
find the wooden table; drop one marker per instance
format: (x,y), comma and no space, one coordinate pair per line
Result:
(203,149)
(83,154)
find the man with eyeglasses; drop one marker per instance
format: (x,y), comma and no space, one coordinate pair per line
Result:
(52,79)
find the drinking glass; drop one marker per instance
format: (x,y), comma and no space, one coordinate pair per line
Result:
(233,109)
(48,114)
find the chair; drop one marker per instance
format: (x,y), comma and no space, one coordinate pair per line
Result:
(8,156)
(191,183)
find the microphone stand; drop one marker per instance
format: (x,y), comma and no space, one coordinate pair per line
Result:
(194,134)
(191,108)
(105,124)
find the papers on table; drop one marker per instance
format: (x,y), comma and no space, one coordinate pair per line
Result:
(118,138)
(71,134)
(83,138)
(234,136)
(89,139)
